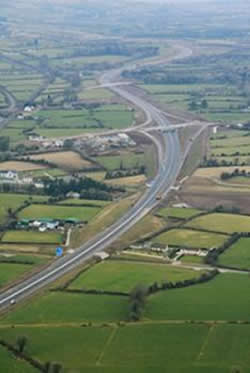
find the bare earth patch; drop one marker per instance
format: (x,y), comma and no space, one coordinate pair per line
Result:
(215,172)
(66,160)
(131,180)
(20,166)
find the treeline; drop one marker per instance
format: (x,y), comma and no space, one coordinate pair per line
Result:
(4,143)
(235,173)
(214,162)
(113,174)
(88,188)
(114,48)
(149,75)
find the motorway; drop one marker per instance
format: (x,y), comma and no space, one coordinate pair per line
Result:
(11,109)
(170,161)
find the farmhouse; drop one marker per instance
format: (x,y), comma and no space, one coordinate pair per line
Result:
(52,144)
(36,138)
(9,174)
(28,109)
(73,195)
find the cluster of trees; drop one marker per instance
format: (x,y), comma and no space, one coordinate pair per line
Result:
(156,75)
(214,162)
(88,188)
(235,154)
(194,105)
(137,302)
(115,48)
(235,173)
(113,174)
(4,143)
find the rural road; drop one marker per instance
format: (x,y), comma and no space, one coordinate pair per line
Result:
(170,162)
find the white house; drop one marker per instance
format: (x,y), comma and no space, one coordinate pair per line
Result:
(28,109)
(36,138)
(53,225)
(9,174)
(73,195)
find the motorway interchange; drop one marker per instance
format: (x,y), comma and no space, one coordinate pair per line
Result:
(170,160)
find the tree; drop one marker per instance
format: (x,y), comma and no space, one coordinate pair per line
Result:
(121,165)
(193,105)
(204,104)
(68,144)
(4,143)
(75,80)
(21,343)
(49,100)
(47,367)
(137,302)
(44,62)
(57,368)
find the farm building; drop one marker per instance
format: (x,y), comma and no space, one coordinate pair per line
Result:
(9,174)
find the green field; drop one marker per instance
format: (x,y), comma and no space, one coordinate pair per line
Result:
(129,160)
(230,117)
(190,238)
(238,255)
(24,258)
(95,94)
(9,364)
(13,201)
(223,298)
(230,141)
(66,118)
(65,307)
(59,212)
(194,259)
(152,347)
(178,213)
(124,276)
(32,237)
(234,160)
(226,223)
(229,133)
(82,202)
(231,150)
(15,134)
(11,271)
(22,124)
(55,172)
(115,119)
(64,132)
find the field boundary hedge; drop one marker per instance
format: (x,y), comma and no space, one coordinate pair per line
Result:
(213,255)
(92,292)
(16,261)
(21,355)
(205,277)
